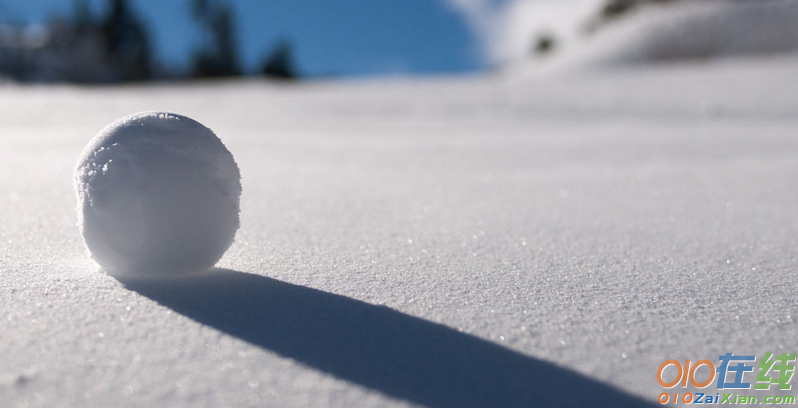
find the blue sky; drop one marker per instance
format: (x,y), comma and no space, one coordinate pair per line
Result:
(342,37)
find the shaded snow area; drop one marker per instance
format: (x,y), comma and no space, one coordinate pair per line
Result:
(547,241)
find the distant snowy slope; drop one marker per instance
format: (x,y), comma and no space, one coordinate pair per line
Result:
(690,30)
(509,29)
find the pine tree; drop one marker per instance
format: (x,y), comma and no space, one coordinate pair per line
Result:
(279,63)
(219,56)
(127,42)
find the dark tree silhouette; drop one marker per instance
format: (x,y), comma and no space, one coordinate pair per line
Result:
(613,9)
(544,44)
(112,48)
(126,42)
(83,18)
(219,55)
(279,63)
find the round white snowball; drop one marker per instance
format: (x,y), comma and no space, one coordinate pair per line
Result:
(158,195)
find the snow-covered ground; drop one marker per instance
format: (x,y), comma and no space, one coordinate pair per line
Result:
(506,241)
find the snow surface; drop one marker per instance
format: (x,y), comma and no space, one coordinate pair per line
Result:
(502,241)
(158,195)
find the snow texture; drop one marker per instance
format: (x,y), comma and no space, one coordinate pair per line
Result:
(158,195)
(471,242)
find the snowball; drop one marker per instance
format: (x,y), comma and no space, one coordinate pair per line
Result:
(158,195)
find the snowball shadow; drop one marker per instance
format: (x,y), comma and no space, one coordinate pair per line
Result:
(377,347)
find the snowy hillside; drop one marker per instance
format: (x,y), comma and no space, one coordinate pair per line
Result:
(698,30)
(659,32)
